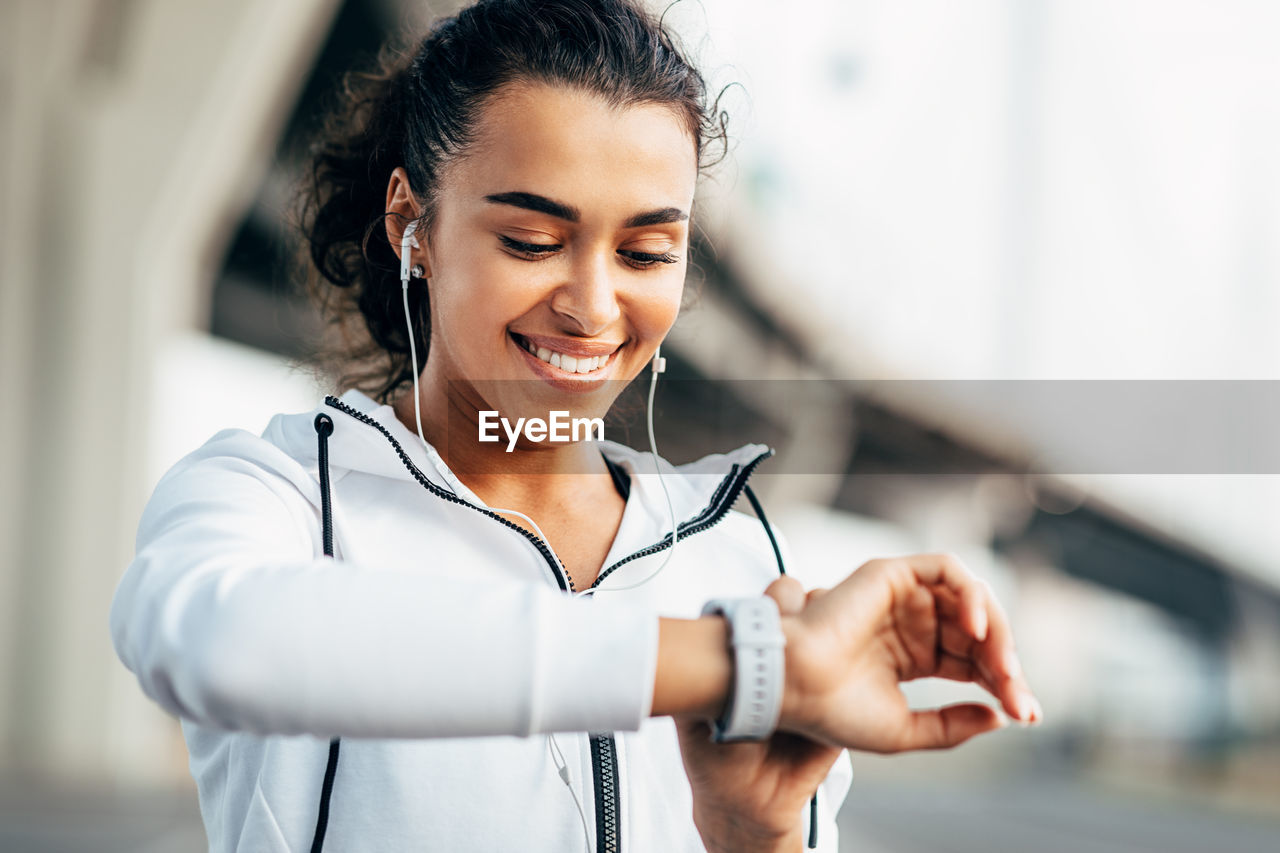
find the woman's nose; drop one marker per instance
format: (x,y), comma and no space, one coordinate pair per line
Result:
(589,299)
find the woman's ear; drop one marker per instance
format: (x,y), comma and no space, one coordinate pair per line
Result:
(401,209)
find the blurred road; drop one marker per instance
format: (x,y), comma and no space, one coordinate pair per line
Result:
(35,819)
(1039,816)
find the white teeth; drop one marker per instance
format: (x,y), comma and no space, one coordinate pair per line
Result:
(567,363)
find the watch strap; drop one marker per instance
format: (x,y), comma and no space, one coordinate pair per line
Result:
(755,699)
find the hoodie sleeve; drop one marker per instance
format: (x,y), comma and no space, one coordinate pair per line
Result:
(228,618)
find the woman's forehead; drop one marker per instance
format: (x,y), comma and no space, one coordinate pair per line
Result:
(570,144)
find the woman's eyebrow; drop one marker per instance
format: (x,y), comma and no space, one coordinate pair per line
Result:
(542,204)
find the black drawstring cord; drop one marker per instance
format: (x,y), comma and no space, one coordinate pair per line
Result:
(782,570)
(324,428)
(759,510)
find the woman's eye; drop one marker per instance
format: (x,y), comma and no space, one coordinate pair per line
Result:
(533,250)
(643,260)
(538,251)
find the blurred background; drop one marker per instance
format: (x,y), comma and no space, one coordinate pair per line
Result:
(1007,190)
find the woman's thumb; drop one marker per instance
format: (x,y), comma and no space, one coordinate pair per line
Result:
(789,595)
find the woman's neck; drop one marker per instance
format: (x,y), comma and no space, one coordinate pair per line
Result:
(522,475)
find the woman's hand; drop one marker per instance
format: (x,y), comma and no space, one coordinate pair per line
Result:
(750,797)
(896,620)
(848,649)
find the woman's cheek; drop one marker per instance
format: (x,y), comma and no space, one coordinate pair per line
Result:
(663,306)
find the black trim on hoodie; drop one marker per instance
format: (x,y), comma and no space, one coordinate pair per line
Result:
(324,428)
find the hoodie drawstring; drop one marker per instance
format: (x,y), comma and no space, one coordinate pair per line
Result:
(324,428)
(782,570)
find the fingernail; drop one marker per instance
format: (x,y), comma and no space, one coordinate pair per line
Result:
(980,626)
(1037,710)
(1025,707)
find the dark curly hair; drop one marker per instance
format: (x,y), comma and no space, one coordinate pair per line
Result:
(418,109)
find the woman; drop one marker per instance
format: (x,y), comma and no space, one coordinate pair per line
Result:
(505,216)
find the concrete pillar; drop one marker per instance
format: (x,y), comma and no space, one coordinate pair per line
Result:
(136,133)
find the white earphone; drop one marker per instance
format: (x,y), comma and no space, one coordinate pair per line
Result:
(406,260)
(405,256)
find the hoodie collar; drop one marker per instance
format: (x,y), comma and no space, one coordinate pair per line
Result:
(360,446)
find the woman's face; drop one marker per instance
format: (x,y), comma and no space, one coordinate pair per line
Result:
(556,260)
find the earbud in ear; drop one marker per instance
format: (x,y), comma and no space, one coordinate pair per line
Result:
(405,255)
(659,363)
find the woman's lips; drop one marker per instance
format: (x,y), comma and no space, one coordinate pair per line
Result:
(567,357)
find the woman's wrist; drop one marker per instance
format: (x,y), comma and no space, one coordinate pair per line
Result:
(792,717)
(694,675)
(726,830)
(695,668)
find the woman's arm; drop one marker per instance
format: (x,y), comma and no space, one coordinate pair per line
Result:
(228,618)
(694,668)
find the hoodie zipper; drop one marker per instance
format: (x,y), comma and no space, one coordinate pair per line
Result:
(721,500)
(604,770)
(603,747)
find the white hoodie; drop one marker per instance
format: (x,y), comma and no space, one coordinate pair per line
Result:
(438,644)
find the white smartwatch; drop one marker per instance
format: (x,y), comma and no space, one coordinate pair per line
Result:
(755,700)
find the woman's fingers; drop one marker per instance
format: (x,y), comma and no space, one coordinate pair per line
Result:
(947,571)
(917,621)
(1010,690)
(998,659)
(974,606)
(953,639)
(955,668)
(941,728)
(789,595)
(985,641)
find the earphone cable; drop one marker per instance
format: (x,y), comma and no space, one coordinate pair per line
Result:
(417,413)
(557,758)
(657,465)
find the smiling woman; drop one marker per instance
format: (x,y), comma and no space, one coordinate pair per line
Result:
(562,231)
(364,613)
(594,93)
